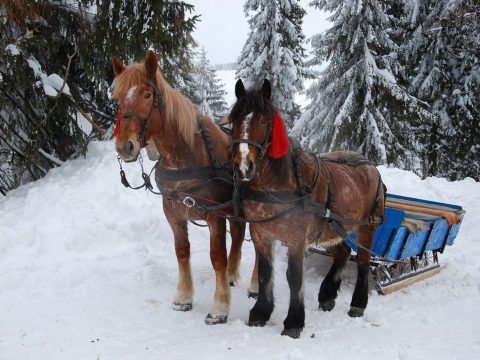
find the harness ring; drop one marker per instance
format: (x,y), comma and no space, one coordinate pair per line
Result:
(189,202)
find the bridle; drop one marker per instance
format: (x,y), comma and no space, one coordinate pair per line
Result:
(263,147)
(147,122)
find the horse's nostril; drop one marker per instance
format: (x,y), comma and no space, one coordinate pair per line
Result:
(130,146)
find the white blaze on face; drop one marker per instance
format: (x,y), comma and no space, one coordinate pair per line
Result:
(244,146)
(130,93)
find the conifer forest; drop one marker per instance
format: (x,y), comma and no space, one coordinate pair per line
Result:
(398,81)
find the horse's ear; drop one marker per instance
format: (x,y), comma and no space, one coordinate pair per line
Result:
(266,89)
(117,65)
(151,65)
(239,89)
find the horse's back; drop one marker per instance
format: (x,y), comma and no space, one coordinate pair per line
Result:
(354,182)
(351,158)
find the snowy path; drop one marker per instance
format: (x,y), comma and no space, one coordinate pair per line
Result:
(87,271)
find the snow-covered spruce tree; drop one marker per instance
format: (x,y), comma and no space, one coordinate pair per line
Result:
(359,103)
(442,56)
(39,127)
(274,50)
(209,91)
(127,29)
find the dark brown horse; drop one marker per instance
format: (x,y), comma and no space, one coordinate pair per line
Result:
(193,153)
(299,198)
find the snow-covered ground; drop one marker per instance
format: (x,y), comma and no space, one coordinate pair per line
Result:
(88,271)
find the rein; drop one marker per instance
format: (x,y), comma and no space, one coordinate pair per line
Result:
(214,172)
(301,198)
(190,200)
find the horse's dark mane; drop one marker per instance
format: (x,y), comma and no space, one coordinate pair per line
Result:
(254,101)
(279,169)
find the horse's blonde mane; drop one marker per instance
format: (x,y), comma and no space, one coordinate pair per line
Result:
(179,112)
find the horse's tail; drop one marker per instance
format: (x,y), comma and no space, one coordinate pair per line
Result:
(378,212)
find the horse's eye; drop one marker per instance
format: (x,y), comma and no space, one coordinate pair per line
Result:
(147,95)
(263,120)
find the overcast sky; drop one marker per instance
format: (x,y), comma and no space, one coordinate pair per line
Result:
(223,28)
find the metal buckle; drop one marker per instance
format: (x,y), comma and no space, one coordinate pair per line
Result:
(327,214)
(189,202)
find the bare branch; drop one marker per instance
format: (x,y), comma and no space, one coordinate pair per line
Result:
(70,57)
(89,119)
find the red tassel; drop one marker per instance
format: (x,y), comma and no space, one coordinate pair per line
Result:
(279,146)
(117,124)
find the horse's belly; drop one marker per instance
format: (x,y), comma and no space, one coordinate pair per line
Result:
(302,227)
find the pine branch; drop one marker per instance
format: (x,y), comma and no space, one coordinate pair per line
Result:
(18,151)
(22,155)
(60,92)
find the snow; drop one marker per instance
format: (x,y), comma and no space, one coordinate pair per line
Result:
(84,124)
(88,271)
(56,82)
(13,49)
(51,83)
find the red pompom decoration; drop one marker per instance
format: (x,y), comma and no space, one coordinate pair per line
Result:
(279,146)
(117,124)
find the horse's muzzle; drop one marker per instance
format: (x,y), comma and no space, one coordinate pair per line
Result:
(128,151)
(246,174)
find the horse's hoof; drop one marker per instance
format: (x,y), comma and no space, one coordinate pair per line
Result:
(356,311)
(293,333)
(215,319)
(327,305)
(253,295)
(256,323)
(232,283)
(182,307)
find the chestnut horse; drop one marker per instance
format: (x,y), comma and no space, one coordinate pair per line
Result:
(193,152)
(299,198)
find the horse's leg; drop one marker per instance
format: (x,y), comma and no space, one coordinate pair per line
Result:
(237,232)
(360,294)
(295,320)
(330,285)
(263,308)
(253,289)
(218,255)
(184,295)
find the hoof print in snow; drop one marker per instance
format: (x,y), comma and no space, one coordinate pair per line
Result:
(356,311)
(215,319)
(182,307)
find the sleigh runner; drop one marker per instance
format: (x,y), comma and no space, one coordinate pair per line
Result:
(405,248)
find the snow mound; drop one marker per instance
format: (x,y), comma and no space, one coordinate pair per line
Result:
(88,271)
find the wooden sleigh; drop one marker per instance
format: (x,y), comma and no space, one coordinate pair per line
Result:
(406,247)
